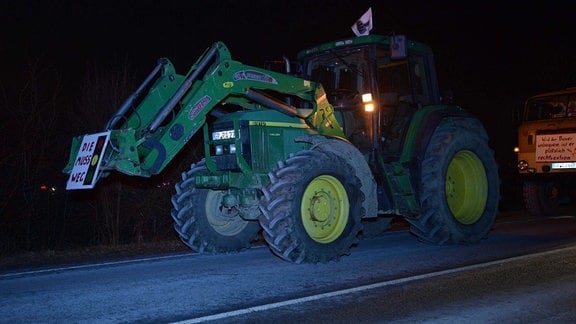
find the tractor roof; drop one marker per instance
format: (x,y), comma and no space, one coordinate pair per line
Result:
(361,40)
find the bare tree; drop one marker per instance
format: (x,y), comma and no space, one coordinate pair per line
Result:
(125,209)
(37,125)
(28,143)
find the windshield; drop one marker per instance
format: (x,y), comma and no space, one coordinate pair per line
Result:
(551,107)
(341,70)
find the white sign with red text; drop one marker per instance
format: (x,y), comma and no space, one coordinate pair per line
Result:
(87,163)
(556,147)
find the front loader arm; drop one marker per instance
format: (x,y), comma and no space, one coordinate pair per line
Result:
(175,108)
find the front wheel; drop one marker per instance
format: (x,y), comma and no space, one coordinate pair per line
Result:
(311,208)
(459,187)
(203,223)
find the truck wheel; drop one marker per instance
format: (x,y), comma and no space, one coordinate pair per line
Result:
(311,208)
(201,221)
(459,185)
(541,198)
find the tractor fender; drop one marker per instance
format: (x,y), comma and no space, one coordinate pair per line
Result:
(355,158)
(420,132)
(423,125)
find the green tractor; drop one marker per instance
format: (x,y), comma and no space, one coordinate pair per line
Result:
(315,157)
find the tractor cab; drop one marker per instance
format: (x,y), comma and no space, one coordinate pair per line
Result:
(375,84)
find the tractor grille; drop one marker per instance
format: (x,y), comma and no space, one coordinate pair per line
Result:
(230,145)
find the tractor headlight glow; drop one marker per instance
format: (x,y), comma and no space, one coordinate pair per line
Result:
(368,102)
(222,149)
(222,135)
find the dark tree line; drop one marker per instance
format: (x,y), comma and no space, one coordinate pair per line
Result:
(41,113)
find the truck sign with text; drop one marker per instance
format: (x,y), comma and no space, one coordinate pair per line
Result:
(558,149)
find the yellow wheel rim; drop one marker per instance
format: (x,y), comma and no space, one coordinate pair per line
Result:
(324,209)
(225,222)
(466,187)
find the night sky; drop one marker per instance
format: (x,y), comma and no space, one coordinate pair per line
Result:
(491,55)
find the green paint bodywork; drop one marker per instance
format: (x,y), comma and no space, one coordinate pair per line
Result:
(154,133)
(224,82)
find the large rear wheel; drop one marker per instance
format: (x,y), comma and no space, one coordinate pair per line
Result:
(459,186)
(311,208)
(203,223)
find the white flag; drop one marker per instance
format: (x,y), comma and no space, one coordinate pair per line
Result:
(364,25)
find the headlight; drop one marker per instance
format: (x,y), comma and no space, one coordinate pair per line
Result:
(225,149)
(522,165)
(222,135)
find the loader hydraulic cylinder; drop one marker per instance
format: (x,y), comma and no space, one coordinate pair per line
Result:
(130,101)
(183,89)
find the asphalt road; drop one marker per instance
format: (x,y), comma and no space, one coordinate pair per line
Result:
(524,272)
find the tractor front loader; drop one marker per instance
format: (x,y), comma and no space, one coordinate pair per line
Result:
(315,159)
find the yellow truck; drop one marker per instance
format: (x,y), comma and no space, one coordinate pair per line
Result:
(546,151)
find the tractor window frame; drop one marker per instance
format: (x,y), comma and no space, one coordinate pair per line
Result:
(346,68)
(411,78)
